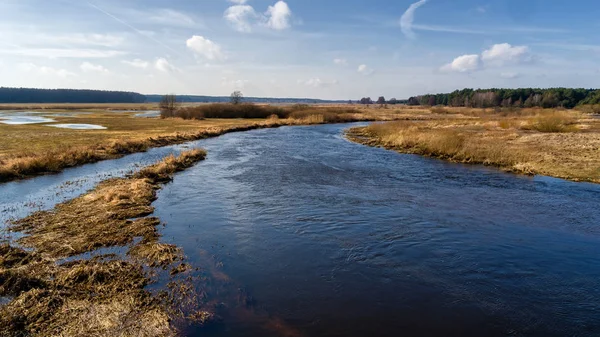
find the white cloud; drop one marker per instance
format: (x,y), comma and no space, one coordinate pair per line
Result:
(103,40)
(90,67)
(205,48)
(43,70)
(463,64)
(240,17)
(163,65)
(137,63)
(365,70)
(407,19)
(500,54)
(170,17)
(341,62)
(279,16)
(318,83)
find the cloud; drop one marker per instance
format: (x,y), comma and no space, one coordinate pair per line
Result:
(205,48)
(500,54)
(102,40)
(341,62)
(163,65)
(463,64)
(365,70)
(90,67)
(170,17)
(240,17)
(497,56)
(407,19)
(137,63)
(43,70)
(279,16)
(318,83)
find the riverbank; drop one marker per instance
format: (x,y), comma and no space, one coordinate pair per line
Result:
(561,144)
(54,290)
(36,149)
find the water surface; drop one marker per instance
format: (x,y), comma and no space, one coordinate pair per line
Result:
(78,126)
(323,237)
(307,234)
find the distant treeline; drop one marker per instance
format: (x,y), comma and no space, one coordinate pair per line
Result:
(25,95)
(523,98)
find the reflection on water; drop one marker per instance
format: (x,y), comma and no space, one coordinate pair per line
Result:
(148,114)
(79,126)
(22,120)
(328,238)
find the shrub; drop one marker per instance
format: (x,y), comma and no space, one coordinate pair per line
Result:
(554,122)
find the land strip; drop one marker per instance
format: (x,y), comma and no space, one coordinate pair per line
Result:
(36,149)
(558,143)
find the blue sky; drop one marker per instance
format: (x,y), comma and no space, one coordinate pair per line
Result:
(299,48)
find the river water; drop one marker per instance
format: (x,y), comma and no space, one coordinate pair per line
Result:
(312,235)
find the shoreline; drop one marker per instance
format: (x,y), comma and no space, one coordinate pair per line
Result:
(361,135)
(103,293)
(55,162)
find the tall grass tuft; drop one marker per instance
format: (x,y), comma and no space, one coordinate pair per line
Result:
(554,123)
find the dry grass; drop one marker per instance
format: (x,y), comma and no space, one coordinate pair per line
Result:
(554,122)
(562,144)
(103,296)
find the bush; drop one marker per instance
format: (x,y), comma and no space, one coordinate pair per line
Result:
(221,110)
(554,122)
(253,111)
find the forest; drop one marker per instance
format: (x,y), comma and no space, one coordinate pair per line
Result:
(26,95)
(521,98)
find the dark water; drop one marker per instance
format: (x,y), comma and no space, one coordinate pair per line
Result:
(318,236)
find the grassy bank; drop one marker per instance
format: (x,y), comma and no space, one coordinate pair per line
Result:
(31,150)
(104,295)
(558,143)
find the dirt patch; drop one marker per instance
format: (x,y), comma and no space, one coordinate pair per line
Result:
(105,295)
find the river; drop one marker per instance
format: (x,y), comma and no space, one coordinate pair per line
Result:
(319,236)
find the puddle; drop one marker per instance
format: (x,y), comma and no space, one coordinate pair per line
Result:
(4,300)
(21,120)
(148,114)
(66,114)
(79,126)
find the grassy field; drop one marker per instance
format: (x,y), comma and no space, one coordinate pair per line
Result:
(29,150)
(558,143)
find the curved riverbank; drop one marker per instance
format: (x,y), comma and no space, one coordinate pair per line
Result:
(571,156)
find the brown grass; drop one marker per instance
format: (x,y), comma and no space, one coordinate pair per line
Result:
(545,143)
(554,122)
(103,296)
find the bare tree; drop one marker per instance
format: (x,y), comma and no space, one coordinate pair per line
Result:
(168,105)
(236,97)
